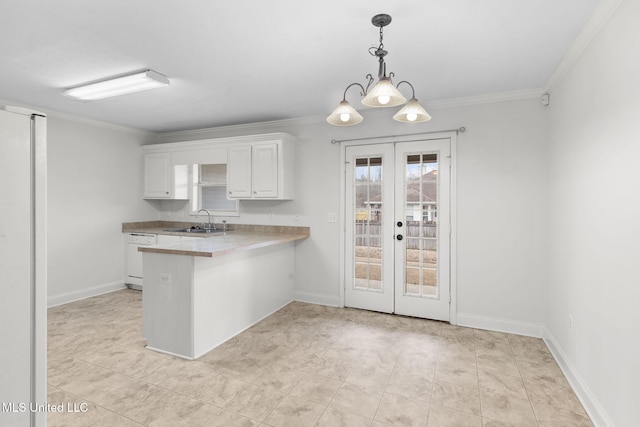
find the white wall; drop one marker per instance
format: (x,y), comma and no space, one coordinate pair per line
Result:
(594,222)
(94,184)
(500,205)
(501,200)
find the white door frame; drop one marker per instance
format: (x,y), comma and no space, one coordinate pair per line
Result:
(452,136)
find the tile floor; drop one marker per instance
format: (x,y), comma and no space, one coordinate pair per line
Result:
(306,365)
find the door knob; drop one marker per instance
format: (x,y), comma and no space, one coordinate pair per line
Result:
(399,237)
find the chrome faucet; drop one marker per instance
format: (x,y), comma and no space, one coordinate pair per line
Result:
(209,225)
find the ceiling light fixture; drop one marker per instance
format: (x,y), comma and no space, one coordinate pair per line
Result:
(383,94)
(136,82)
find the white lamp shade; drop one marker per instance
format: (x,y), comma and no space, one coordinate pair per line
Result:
(384,94)
(145,80)
(344,115)
(412,112)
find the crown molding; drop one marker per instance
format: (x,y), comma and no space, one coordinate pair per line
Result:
(233,130)
(285,125)
(100,124)
(489,98)
(77,119)
(600,17)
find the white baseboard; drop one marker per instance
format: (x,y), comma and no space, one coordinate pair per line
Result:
(594,409)
(500,325)
(104,288)
(319,299)
(222,342)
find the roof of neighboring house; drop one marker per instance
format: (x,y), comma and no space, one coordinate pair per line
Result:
(429,189)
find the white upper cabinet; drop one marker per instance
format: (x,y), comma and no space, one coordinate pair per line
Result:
(264,169)
(162,180)
(239,172)
(261,170)
(259,167)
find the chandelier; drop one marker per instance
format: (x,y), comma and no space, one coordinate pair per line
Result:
(383,94)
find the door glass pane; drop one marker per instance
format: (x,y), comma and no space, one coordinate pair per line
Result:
(367,237)
(421,216)
(412,283)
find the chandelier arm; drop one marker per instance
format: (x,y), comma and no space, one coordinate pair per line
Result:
(363,93)
(413,91)
(369,83)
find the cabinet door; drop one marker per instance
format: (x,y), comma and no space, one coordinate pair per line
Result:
(265,170)
(166,239)
(157,175)
(239,172)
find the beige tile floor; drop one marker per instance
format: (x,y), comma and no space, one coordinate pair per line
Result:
(306,365)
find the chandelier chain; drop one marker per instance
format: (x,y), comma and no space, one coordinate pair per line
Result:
(378,51)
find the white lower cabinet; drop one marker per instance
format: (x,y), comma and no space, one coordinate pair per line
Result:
(165,239)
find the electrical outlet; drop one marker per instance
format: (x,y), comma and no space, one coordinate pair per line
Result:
(272,216)
(165,278)
(332,217)
(570,324)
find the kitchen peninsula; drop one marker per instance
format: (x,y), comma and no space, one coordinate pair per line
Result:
(201,292)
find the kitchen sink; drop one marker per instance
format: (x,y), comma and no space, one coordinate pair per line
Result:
(195,230)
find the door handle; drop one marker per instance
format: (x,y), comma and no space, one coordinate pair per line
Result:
(399,237)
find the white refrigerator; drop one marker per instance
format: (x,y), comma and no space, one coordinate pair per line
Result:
(23,267)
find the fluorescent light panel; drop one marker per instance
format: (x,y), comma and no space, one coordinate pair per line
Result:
(137,82)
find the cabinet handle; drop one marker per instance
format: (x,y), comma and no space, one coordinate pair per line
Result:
(255,192)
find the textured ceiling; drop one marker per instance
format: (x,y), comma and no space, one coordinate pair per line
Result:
(249,61)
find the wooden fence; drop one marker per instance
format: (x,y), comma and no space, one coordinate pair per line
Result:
(369,234)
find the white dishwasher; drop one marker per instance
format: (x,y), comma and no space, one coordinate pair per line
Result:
(134,257)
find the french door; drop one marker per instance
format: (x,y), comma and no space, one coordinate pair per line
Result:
(397,231)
